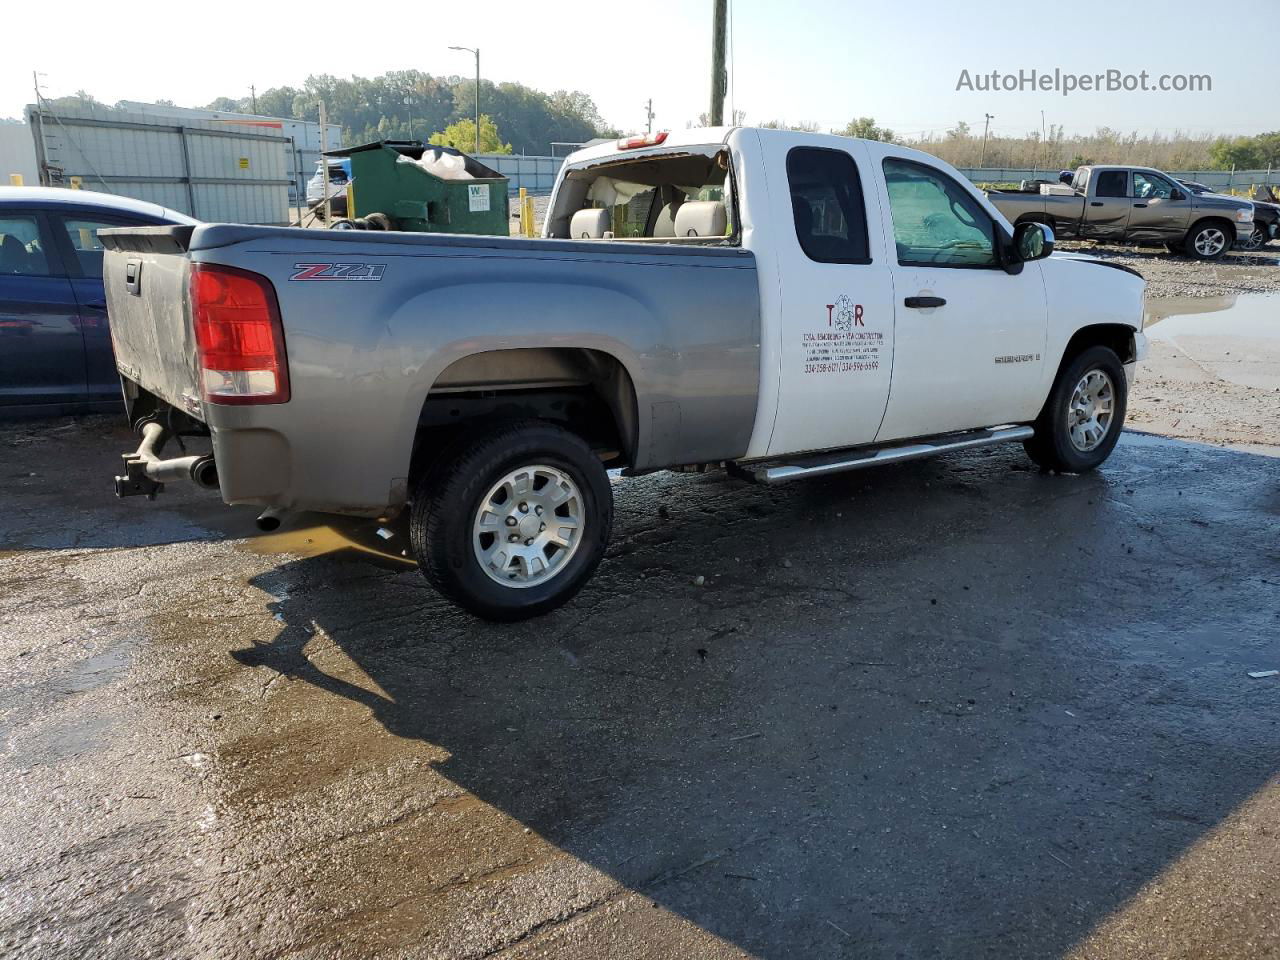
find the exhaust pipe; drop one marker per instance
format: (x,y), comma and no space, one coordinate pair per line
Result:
(146,473)
(269,519)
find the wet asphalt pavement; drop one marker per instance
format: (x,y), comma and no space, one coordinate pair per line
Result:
(954,708)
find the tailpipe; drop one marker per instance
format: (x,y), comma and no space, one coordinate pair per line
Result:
(269,519)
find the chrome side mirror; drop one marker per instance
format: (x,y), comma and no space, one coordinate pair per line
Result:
(1032,241)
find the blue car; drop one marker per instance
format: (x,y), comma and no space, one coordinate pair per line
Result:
(55,346)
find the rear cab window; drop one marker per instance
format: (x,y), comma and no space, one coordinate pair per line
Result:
(827,205)
(1112,183)
(683,196)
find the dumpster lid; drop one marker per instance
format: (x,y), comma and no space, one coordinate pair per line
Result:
(414,150)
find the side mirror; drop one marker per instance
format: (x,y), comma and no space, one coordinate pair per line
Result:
(1032,241)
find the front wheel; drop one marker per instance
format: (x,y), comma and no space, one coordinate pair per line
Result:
(1083,417)
(515,522)
(1208,240)
(1257,239)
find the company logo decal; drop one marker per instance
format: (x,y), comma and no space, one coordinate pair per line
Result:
(338,271)
(1018,358)
(844,314)
(846,345)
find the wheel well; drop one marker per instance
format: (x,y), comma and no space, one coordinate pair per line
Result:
(586,391)
(1116,336)
(1203,220)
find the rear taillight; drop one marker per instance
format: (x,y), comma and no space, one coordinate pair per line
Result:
(239,339)
(650,140)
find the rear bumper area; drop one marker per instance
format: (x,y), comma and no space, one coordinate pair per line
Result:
(254,465)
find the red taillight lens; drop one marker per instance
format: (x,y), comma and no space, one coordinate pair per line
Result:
(239,338)
(652,140)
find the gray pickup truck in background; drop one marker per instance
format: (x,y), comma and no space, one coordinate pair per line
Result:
(1133,205)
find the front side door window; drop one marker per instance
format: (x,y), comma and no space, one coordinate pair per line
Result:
(1150,187)
(936,222)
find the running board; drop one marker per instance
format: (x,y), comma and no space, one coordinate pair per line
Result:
(817,464)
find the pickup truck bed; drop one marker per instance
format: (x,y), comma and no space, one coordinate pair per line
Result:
(363,356)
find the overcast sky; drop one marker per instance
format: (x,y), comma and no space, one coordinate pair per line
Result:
(809,60)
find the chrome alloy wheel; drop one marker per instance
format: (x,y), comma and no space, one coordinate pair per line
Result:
(528,526)
(1255,239)
(1090,411)
(1210,242)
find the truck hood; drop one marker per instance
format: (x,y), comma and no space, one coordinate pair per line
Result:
(1085,258)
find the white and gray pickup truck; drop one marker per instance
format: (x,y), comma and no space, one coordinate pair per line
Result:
(784,304)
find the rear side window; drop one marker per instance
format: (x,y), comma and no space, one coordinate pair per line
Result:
(83,235)
(1113,183)
(827,205)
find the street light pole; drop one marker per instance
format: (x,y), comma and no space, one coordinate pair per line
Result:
(985,127)
(476,51)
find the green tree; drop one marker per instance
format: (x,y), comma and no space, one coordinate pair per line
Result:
(1241,153)
(461,135)
(864,128)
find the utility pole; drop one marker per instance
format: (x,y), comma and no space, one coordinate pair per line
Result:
(476,51)
(1044,141)
(719,78)
(648,110)
(324,167)
(42,171)
(985,127)
(253,95)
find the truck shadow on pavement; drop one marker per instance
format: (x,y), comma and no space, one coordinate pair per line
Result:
(954,708)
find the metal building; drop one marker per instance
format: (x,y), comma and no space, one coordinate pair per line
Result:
(209,169)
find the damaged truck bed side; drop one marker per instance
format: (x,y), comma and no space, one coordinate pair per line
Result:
(786,304)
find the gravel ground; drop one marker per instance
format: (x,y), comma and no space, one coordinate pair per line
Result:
(1168,275)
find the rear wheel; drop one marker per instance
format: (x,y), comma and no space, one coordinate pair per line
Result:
(1257,239)
(1208,240)
(1083,417)
(515,522)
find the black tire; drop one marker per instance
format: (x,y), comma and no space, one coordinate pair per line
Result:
(1052,447)
(447,501)
(1202,229)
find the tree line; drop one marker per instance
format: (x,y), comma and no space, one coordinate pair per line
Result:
(410,104)
(963,146)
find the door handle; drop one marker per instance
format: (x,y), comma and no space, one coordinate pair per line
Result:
(1096,203)
(1139,204)
(923,303)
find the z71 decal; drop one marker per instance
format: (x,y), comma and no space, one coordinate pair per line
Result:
(338,271)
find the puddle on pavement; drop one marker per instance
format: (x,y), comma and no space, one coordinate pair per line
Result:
(97,670)
(314,535)
(1235,338)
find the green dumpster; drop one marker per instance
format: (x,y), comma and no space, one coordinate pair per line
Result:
(424,189)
